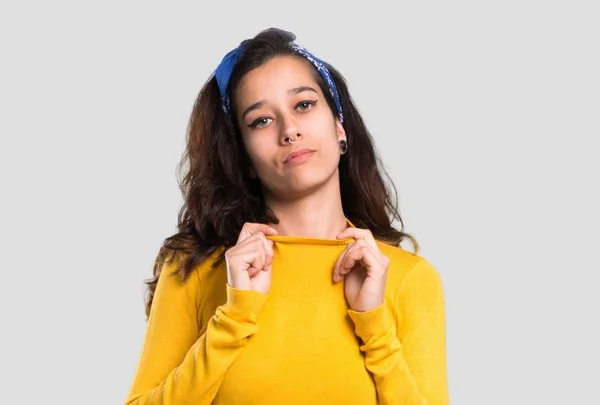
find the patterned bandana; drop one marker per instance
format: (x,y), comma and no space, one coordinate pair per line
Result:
(225,68)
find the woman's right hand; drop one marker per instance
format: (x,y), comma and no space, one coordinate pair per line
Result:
(249,260)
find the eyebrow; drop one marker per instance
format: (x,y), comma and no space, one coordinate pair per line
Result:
(291,92)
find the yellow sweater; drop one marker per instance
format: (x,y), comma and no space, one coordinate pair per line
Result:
(208,343)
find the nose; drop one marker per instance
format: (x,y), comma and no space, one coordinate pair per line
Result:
(289,131)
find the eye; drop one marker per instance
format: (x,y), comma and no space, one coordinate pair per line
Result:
(306,105)
(260,122)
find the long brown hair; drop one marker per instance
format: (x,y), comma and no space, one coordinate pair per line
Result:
(219,196)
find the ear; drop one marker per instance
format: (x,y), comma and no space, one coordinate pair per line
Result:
(339,129)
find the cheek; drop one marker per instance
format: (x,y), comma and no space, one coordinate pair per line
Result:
(333,150)
(325,134)
(261,153)
(321,126)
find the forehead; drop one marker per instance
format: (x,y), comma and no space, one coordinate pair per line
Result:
(275,76)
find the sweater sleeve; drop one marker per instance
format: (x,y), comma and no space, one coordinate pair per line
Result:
(405,343)
(176,365)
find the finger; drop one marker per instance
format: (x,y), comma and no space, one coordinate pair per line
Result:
(267,247)
(377,255)
(267,250)
(358,233)
(253,271)
(363,253)
(251,228)
(249,257)
(336,267)
(345,266)
(252,252)
(270,254)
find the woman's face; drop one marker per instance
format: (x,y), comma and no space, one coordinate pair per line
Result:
(279,101)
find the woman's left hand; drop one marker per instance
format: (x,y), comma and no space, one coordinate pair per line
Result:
(364,268)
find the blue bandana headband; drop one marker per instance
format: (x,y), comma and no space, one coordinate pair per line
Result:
(225,68)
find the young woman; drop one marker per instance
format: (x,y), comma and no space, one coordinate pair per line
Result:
(286,283)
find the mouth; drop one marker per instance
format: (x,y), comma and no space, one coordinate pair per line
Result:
(298,156)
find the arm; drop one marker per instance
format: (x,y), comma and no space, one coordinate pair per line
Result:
(408,358)
(176,365)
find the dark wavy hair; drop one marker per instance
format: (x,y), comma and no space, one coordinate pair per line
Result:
(218,194)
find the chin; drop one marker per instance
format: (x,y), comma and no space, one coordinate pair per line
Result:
(302,185)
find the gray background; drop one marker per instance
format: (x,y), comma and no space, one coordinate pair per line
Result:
(486,114)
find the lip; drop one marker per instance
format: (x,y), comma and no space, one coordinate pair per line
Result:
(297,153)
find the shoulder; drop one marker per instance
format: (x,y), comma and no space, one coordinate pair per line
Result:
(183,292)
(401,260)
(173,276)
(408,269)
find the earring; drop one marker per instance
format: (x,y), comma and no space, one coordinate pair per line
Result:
(343,146)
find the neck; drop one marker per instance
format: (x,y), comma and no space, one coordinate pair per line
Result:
(318,215)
